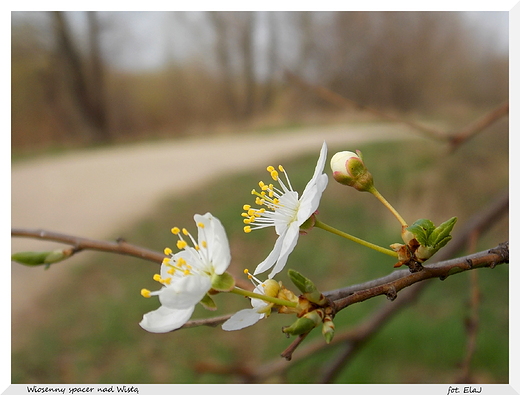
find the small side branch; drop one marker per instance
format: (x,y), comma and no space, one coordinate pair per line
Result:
(81,243)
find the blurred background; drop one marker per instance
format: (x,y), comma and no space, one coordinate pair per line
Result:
(99,77)
(93,91)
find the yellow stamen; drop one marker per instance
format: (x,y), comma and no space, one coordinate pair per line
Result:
(280,167)
(247,229)
(146,293)
(246,207)
(185,231)
(165,260)
(175,231)
(200,225)
(167,251)
(157,277)
(181,244)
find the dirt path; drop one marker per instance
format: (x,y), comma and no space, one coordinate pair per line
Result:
(95,193)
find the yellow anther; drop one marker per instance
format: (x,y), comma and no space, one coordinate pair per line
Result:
(171,271)
(246,271)
(181,244)
(247,229)
(186,272)
(280,167)
(200,225)
(165,260)
(167,251)
(274,175)
(166,280)
(157,277)
(175,231)
(185,231)
(204,244)
(246,207)
(146,293)
(181,262)
(270,168)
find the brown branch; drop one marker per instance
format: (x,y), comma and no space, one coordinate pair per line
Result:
(81,243)
(478,223)
(477,126)
(489,258)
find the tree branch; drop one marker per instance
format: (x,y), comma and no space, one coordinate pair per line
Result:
(81,243)
(478,223)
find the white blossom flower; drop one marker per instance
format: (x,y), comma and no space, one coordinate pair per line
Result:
(187,275)
(283,210)
(247,317)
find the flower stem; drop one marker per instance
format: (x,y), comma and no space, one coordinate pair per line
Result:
(380,197)
(270,299)
(330,229)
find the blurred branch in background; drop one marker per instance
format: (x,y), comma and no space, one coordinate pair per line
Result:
(455,138)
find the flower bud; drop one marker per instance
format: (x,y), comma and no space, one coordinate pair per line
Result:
(327,329)
(349,169)
(305,324)
(271,288)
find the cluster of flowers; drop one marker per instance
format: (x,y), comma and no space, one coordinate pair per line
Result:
(198,270)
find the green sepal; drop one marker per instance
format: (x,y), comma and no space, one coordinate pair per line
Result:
(208,303)
(224,282)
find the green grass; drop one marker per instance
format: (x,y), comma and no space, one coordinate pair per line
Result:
(90,332)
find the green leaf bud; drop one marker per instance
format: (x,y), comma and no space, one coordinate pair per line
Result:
(328,329)
(32,258)
(304,324)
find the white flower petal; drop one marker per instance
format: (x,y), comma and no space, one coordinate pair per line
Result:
(268,262)
(215,236)
(184,292)
(310,199)
(288,244)
(320,165)
(165,320)
(242,319)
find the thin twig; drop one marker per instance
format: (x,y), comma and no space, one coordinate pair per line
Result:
(81,243)
(342,102)
(479,125)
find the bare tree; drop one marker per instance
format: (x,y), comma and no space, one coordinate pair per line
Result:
(86,89)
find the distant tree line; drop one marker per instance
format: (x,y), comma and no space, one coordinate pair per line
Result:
(67,87)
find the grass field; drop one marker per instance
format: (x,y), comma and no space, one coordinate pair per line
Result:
(90,331)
